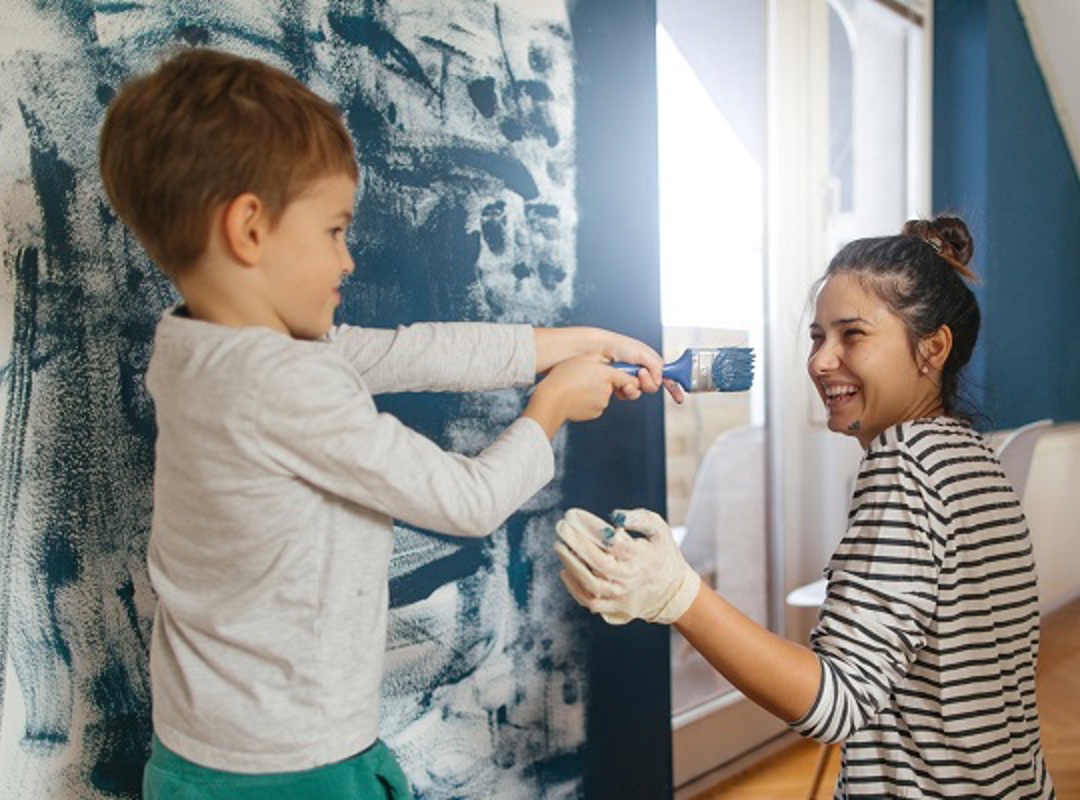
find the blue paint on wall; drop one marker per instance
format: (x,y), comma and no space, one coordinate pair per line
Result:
(1000,158)
(464,129)
(629,703)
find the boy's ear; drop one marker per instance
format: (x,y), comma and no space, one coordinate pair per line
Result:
(245,222)
(935,348)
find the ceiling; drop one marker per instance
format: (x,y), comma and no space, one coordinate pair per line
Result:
(1054,28)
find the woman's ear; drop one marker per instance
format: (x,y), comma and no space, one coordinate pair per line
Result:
(244,225)
(934,349)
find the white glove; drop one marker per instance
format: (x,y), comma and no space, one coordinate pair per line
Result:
(622,577)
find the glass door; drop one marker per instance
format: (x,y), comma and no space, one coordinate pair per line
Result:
(711,134)
(784,130)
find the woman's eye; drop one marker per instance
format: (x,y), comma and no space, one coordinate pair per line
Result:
(851,333)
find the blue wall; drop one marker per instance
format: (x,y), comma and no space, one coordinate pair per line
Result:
(509,155)
(618,282)
(1001,160)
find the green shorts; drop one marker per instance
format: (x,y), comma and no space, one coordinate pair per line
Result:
(373,774)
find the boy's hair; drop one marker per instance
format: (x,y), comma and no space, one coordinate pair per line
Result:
(204,128)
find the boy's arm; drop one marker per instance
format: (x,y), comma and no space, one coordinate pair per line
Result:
(451,356)
(316,423)
(554,345)
(474,356)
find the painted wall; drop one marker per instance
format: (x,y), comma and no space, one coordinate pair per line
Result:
(509,159)
(620,458)
(1000,158)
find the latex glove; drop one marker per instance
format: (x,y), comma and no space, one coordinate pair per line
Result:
(622,577)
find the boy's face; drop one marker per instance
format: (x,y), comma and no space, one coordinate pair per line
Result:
(307,258)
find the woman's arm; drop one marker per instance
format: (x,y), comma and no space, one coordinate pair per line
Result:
(646,577)
(779,675)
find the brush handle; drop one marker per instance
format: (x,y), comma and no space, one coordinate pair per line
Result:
(678,370)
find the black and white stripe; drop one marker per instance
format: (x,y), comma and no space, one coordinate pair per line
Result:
(930,632)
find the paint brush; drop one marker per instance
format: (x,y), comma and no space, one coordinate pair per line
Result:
(707,369)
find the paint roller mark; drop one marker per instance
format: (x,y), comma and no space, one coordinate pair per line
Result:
(493,226)
(507,169)
(551,275)
(54,186)
(82,489)
(519,571)
(482,94)
(120,738)
(19,379)
(365,31)
(104,9)
(51,562)
(539,59)
(297,43)
(418,584)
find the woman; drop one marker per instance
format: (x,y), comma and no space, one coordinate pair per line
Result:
(923,659)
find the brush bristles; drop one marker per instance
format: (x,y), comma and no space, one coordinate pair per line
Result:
(733,369)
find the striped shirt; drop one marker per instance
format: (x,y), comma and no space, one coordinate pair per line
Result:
(930,631)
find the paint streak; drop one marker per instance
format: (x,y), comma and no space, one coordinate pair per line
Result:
(368,32)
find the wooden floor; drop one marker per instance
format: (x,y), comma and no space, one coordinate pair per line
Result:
(788,773)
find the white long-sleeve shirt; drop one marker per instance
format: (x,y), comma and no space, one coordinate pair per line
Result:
(275,484)
(930,632)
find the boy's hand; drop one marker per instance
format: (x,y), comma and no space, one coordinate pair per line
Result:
(616,347)
(554,345)
(650,376)
(578,390)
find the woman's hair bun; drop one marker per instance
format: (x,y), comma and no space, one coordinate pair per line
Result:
(950,238)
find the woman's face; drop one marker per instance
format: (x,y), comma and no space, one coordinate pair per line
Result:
(861,362)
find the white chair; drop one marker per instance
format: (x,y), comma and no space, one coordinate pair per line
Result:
(811,595)
(725,538)
(1016,450)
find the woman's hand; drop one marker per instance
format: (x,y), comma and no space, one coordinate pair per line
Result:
(624,577)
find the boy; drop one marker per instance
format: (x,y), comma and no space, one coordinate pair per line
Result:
(276,479)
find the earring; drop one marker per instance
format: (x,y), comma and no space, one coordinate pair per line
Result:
(925,369)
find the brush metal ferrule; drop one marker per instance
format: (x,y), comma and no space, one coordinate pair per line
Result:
(701,367)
